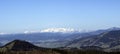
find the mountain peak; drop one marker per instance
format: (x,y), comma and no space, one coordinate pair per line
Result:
(114,28)
(19,45)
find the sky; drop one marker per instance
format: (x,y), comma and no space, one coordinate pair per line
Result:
(22,15)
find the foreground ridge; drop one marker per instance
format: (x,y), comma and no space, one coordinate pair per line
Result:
(24,47)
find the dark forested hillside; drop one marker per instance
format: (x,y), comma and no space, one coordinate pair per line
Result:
(108,40)
(23,47)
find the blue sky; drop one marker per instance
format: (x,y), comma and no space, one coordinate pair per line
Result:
(21,15)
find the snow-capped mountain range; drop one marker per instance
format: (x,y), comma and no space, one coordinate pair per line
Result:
(55,30)
(58,30)
(54,35)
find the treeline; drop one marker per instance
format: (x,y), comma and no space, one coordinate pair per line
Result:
(84,52)
(57,51)
(31,52)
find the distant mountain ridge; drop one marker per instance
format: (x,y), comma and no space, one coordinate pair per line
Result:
(0,44)
(24,47)
(53,39)
(108,40)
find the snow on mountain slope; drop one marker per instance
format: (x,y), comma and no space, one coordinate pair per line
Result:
(58,30)
(55,30)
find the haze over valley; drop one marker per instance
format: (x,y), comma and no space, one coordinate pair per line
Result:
(59,27)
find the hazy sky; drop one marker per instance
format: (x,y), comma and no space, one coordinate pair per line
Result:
(21,15)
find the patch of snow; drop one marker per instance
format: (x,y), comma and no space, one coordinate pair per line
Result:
(54,30)
(64,30)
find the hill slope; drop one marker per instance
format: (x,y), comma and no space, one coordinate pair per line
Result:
(108,40)
(18,45)
(23,47)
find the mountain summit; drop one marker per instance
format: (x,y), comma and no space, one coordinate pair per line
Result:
(24,47)
(18,45)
